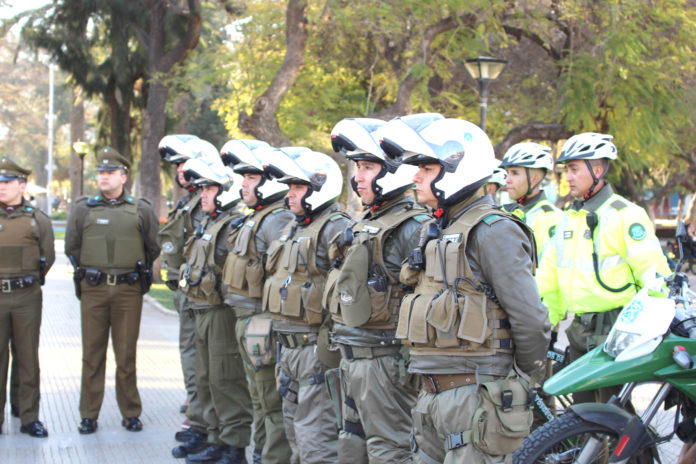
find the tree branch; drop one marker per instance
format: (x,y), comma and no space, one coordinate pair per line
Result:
(532,131)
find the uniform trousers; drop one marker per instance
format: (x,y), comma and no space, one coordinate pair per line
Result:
(116,309)
(312,420)
(187,352)
(20,318)
(383,404)
(220,379)
(269,431)
(438,415)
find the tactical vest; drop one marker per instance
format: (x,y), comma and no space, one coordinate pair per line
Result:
(294,290)
(111,238)
(378,308)
(175,233)
(450,312)
(19,244)
(243,272)
(200,279)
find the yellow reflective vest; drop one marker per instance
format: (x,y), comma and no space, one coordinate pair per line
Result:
(626,247)
(542,217)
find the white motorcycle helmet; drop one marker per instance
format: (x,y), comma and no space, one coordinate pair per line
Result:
(173,148)
(358,139)
(462,149)
(203,149)
(588,146)
(401,127)
(201,171)
(235,150)
(268,190)
(528,155)
(316,170)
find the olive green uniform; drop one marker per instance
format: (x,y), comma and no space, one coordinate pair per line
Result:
(182,221)
(220,379)
(299,263)
(26,235)
(107,238)
(475,307)
(243,280)
(377,394)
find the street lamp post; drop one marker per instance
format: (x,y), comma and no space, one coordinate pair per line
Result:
(484,70)
(81,148)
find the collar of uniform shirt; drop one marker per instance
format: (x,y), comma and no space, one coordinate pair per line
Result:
(595,201)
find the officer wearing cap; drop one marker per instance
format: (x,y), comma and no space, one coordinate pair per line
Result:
(111,239)
(26,254)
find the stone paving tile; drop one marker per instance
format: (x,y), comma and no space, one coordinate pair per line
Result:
(159,381)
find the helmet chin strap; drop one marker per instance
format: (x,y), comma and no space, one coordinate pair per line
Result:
(530,188)
(595,180)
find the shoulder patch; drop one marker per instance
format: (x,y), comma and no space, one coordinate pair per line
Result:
(546,208)
(130,199)
(552,231)
(637,231)
(93,201)
(28,209)
(422,218)
(618,204)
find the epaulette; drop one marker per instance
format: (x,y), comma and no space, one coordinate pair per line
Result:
(94,201)
(618,204)
(546,208)
(491,218)
(336,217)
(145,200)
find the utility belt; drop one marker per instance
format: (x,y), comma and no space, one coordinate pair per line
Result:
(96,277)
(11,284)
(199,311)
(438,383)
(297,340)
(591,320)
(367,352)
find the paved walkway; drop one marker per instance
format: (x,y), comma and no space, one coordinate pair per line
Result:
(159,381)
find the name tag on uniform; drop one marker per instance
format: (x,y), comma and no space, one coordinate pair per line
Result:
(283,238)
(207,237)
(456,238)
(102,221)
(250,223)
(568,234)
(370,229)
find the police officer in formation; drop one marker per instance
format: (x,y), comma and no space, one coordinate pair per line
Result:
(220,381)
(602,247)
(26,255)
(364,297)
(111,239)
(182,221)
(475,311)
(298,264)
(243,280)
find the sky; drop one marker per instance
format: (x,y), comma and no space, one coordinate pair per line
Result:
(9,8)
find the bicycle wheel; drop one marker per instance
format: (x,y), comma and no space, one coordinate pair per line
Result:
(563,439)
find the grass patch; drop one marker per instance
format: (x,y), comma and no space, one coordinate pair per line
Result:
(162,295)
(59,234)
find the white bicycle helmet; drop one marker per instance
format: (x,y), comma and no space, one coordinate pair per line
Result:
(528,155)
(462,149)
(498,177)
(588,146)
(316,170)
(173,148)
(358,139)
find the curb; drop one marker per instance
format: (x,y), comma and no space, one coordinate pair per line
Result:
(152,302)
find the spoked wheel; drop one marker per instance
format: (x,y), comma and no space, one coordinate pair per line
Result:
(569,439)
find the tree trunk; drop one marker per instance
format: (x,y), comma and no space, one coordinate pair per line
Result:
(153,130)
(262,123)
(77,131)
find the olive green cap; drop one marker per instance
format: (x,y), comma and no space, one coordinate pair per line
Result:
(109,159)
(10,171)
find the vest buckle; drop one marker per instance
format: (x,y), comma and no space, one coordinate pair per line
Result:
(5,285)
(111,279)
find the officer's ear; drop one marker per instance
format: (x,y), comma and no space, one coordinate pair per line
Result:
(600,167)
